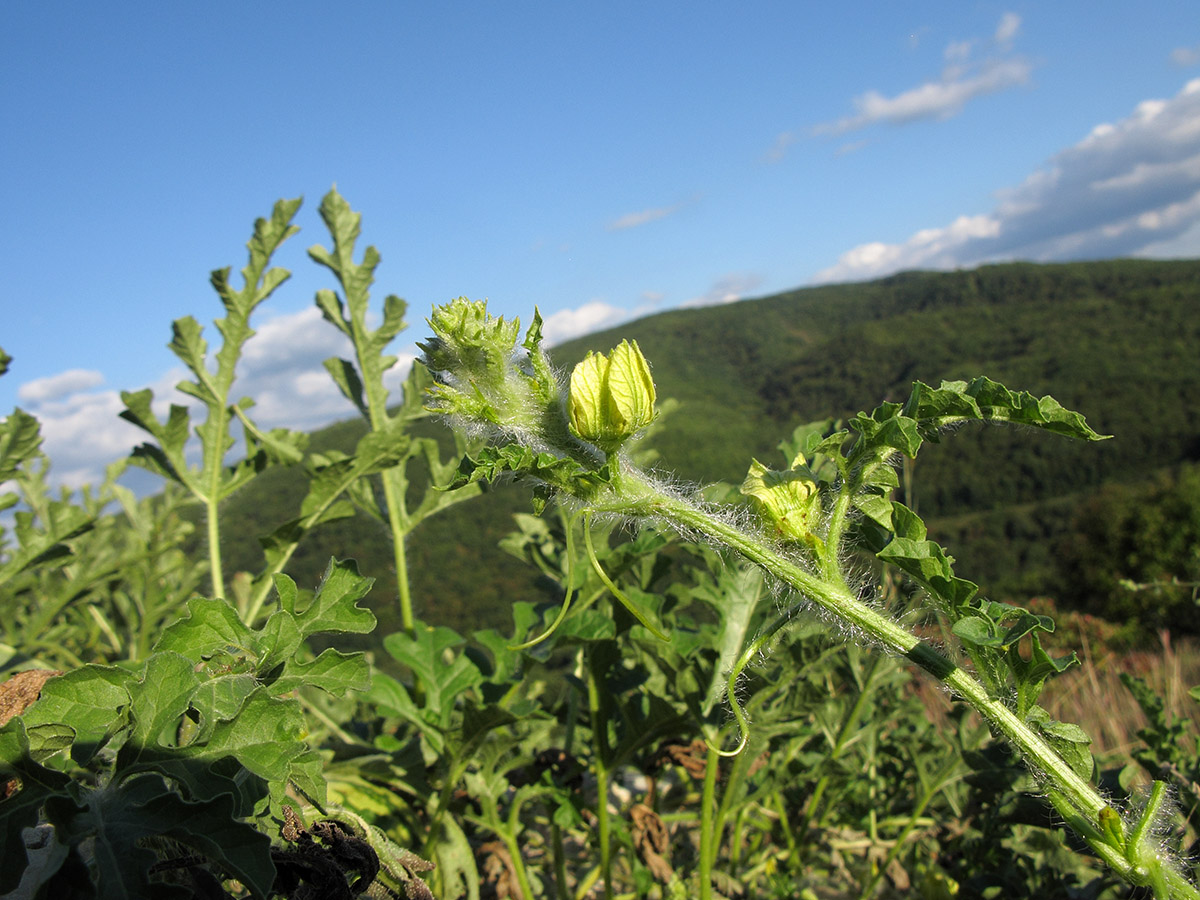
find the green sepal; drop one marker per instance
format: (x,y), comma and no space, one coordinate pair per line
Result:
(1112,828)
(533,335)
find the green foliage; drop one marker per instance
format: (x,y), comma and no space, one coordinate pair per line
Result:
(856,467)
(390,438)
(1111,338)
(81,585)
(658,717)
(198,744)
(212,481)
(1134,552)
(1169,752)
(42,528)
(109,592)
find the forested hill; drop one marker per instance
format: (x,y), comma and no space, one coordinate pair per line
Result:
(1116,340)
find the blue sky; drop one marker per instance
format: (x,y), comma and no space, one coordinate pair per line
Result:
(602,161)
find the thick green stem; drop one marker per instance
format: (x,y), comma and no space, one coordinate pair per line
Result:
(394,499)
(837,598)
(708,836)
(600,763)
(556,837)
(212,520)
(1073,793)
(509,836)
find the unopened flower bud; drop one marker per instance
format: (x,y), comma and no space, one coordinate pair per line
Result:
(787,500)
(612,397)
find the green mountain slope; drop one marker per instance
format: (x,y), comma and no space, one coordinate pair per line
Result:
(1115,340)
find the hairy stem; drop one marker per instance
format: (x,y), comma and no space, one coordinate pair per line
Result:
(214,539)
(393,495)
(1072,793)
(708,836)
(600,764)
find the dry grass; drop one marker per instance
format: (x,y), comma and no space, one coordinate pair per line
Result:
(1093,696)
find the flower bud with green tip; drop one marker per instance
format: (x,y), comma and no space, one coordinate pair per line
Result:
(612,397)
(471,342)
(788,500)
(472,357)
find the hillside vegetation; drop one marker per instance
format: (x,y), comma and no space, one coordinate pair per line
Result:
(1115,340)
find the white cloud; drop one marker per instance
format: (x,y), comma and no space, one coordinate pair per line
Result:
(778,150)
(850,147)
(1128,188)
(1184,244)
(281,369)
(1186,56)
(571,323)
(726,289)
(960,82)
(958,51)
(1010,24)
(634,219)
(282,340)
(41,390)
(598,315)
(928,248)
(82,433)
(940,99)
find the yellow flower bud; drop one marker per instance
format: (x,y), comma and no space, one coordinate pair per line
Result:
(611,397)
(585,399)
(787,500)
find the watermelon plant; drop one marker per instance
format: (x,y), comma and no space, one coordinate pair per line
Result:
(835,490)
(717,694)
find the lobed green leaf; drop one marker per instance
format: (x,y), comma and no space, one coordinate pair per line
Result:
(332,671)
(443,682)
(335,606)
(94,700)
(20,440)
(210,627)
